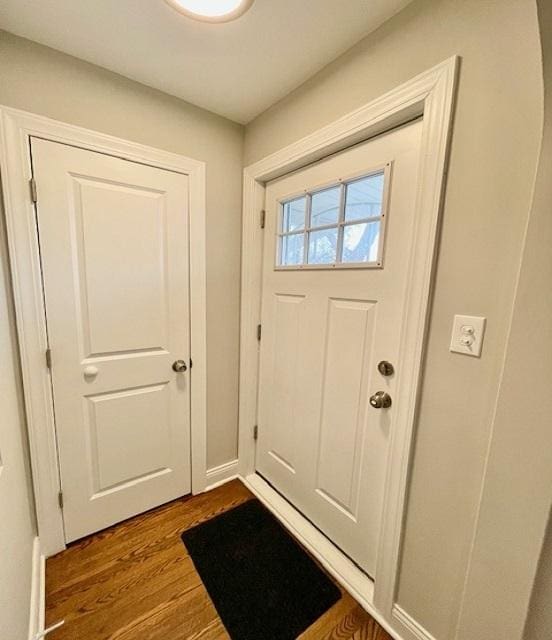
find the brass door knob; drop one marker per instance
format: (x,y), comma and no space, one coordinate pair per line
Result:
(179,366)
(380,400)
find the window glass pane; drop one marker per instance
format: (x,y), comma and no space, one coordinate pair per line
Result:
(322,246)
(364,197)
(325,207)
(292,249)
(294,215)
(361,242)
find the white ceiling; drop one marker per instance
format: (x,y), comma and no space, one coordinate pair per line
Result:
(237,69)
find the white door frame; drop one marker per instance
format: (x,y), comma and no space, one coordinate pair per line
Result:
(431,95)
(16,127)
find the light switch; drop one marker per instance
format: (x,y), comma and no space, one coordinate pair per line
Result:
(467,335)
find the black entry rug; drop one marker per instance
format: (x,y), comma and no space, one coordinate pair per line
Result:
(262,583)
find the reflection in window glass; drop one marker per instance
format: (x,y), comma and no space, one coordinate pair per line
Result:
(361,242)
(342,225)
(364,198)
(325,207)
(323,246)
(292,249)
(294,215)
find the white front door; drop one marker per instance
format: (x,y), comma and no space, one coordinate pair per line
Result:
(338,241)
(114,249)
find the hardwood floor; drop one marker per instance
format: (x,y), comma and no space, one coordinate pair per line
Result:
(135,581)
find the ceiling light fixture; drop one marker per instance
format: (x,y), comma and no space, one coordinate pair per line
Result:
(211,10)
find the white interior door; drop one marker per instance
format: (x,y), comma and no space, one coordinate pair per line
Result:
(338,240)
(114,247)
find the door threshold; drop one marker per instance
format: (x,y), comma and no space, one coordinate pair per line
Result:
(340,566)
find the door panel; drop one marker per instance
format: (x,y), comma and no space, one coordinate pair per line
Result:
(99,239)
(348,344)
(112,420)
(326,327)
(288,321)
(114,250)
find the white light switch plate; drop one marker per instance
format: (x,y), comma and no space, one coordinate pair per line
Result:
(467,335)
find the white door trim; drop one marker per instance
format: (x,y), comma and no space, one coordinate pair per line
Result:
(15,163)
(431,95)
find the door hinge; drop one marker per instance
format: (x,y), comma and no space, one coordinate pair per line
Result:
(60,499)
(259,331)
(263,218)
(256,432)
(32,187)
(48,356)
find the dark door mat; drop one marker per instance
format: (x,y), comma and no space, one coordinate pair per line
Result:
(262,583)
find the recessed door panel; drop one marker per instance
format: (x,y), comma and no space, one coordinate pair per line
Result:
(286,350)
(120,244)
(348,345)
(135,421)
(114,250)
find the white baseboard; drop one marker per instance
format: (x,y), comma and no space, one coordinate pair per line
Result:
(37,603)
(404,619)
(218,476)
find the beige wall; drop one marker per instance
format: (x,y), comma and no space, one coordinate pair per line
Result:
(44,81)
(516,499)
(539,621)
(492,168)
(518,490)
(17,525)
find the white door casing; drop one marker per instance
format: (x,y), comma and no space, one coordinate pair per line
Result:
(113,240)
(430,94)
(16,129)
(324,331)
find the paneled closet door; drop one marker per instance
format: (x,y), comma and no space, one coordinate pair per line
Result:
(114,248)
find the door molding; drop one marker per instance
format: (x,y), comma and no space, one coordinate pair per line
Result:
(16,127)
(431,95)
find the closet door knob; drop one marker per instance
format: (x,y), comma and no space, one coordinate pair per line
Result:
(179,366)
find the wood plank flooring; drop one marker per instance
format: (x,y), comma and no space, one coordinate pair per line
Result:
(135,581)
